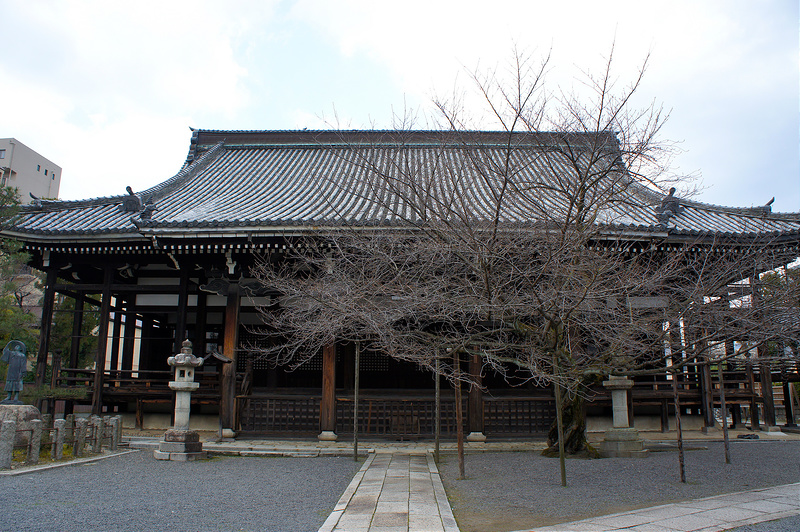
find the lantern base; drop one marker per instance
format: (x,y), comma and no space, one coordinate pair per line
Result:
(180,446)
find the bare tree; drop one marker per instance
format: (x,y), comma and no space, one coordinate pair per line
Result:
(513,245)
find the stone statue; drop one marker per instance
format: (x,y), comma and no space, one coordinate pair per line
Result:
(14,355)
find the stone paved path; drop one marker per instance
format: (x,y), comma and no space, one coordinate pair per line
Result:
(711,514)
(394,492)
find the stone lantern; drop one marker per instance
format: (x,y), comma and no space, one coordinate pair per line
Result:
(181,443)
(622,440)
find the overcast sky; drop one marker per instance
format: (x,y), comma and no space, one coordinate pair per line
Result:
(108,90)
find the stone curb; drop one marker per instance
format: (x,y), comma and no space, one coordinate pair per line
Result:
(77,461)
(445,510)
(338,510)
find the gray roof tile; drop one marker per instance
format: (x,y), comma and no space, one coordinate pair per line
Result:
(271,179)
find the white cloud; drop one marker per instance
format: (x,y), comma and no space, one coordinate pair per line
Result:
(107,90)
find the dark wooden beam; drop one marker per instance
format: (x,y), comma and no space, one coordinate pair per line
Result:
(475,398)
(48,303)
(116,337)
(183,304)
(102,343)
(787,404)
(765,372)
(121,288)
(327,407)
(130,334)
(230,342)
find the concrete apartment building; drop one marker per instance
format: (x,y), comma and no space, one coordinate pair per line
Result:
(29,172)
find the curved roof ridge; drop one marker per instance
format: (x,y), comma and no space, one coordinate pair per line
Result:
(763,211)
(357,137)
(186,173)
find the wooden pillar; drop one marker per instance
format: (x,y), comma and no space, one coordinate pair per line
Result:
(75,344)
(706,394)
(787,403)
(116,336)
(130,334)
(765,373)
(475,414)
(46,324)
(148,331)
(229,345)
(77,330)
(102,343)
(327,406)
(200,324)
(183,304)
(736,415)
(754,423)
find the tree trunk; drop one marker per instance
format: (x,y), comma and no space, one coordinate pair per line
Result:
(724,408)
(574,421)
(679,426)
(459,415)
(562,462)
(438,428)
(356,385)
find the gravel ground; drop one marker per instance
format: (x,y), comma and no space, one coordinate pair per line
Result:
(790,524)
(134,492)
(515,491)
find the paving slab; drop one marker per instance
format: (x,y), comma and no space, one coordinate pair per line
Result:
(710,514)
(394,492)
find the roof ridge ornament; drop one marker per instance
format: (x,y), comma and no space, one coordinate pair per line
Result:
(133,203)
(670,206)
(766,210)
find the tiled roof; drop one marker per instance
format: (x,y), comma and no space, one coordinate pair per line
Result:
(262,181)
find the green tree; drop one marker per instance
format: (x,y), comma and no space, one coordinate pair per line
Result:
(20,287)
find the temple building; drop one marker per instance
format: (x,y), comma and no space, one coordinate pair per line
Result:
(173,262)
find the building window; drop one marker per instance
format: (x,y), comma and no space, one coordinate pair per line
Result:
(53,177)
(38,167)
(45,171)
(2,154)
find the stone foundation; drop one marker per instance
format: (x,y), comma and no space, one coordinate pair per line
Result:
(180,446)
(623,443)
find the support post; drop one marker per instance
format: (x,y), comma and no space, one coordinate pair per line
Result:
(230,342)
(754,423)
(327,407)
(48,302)
(35,443)
(765,374)
(75,345)
(183,304)
(706,395)
(475,402)
(356,385)
(130,334)
(102,342)
(80,437)
(116,337)
(787,404)
(8,430)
